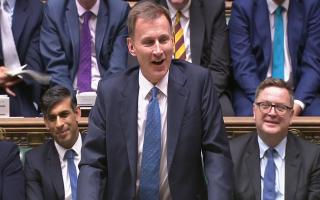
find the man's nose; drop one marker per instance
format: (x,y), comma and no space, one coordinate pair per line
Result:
(59,121)
(157,50)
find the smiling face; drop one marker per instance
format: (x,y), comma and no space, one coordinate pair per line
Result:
(270,125)
(62,123)
(152,44)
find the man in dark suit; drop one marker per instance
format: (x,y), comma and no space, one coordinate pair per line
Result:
(46,167)
(252,28)
(207,40)
(60,39)
(11,173)
(295,162)
(26,18)
(186,122)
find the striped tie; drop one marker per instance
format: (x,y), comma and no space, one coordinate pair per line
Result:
(179,46)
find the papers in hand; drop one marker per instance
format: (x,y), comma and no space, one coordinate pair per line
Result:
(37,76)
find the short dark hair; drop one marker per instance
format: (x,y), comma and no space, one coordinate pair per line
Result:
(55,95)
(273,82)
(146,9)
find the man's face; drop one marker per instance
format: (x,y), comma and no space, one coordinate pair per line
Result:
(273,124)
(179,4)
(152,43)
(62,123)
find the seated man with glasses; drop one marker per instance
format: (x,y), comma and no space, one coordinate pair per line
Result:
(273,163)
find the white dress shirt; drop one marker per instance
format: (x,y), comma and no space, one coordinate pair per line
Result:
(185,24)
(95,74)
(10,8)
(64,165)
(279,160)
(143,100)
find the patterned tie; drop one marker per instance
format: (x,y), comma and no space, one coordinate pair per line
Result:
(278,45)
(179,46)
(269,191)
(69,155)
(150,164)
(84,71)
(10,55)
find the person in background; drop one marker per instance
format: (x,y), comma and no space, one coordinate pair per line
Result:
(83,41)
(205,36)
(12,185)
(280,39)
(20,22)
(156,130)
(51,169)
(273,163)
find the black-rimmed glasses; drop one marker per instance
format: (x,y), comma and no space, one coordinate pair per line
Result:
(265,107)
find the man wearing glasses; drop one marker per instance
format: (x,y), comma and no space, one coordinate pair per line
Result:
(274,164)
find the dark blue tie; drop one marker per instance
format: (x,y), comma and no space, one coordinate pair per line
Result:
(69,155)
(84,71)
(150,164)
(269,180)
(278,45)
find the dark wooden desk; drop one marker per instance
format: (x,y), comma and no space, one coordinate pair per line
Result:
(32,131)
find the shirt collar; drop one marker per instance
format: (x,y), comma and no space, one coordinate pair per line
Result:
(280,148)
(11,4)
(185,11)
(76,147)
(272,6)
(145,86)
(94,9)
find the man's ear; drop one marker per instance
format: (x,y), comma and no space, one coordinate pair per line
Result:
(131,48)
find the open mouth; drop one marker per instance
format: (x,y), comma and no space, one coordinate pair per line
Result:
(158,62)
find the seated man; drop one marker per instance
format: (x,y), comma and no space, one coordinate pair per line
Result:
(19,46)
(205,39)
(273,163)
(280,39)
(11,173)
(83,41)
(51,169)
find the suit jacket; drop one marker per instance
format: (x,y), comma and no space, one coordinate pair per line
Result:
(26,21)
(195,125)
(43,173)
(11,173)
(302,168)
(251,50)
(60,38)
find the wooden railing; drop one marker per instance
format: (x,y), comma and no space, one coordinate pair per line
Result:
(32,131)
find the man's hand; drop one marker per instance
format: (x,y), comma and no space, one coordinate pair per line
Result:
(7,81)
(296,110)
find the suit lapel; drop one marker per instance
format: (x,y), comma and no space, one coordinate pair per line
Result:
(294,28)
(54,167)
(292,168)
(128,111)
(73,25)
(197,31)
(177,98)
(20,17)
(253,165)
(262,26)
(102,22)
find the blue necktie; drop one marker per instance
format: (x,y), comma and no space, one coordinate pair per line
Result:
(269,180)
(69,155)
(278,48)
(150,164)
(84,71)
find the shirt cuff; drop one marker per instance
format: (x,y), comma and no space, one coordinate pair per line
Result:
(300,103)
